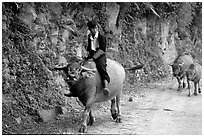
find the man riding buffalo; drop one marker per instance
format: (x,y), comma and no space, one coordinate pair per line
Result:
(93,86)
(96,49)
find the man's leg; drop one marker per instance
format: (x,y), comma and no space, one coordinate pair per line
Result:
(105,79)
(105,89)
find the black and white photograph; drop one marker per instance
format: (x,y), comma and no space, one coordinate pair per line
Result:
(101,68)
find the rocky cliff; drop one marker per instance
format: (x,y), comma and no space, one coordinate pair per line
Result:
(37,36)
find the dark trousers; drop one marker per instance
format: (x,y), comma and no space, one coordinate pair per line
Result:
(101,64)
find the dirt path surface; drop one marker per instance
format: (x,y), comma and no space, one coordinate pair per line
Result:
(155,109)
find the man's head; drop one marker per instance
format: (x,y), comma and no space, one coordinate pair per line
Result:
(92,25)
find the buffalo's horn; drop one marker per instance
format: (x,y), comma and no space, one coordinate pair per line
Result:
(68,95)
(60,67)
(87,69)
(181,64)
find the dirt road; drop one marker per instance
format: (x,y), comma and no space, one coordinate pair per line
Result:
(155,109)
(159,109)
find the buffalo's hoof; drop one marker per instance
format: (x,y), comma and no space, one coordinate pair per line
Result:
(114,114)
(83,129)
(91,121)
(118,119)
(195,93)
(199,90)
(179,90)
(189,95)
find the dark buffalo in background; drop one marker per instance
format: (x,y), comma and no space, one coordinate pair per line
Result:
(194,73)
(179,66)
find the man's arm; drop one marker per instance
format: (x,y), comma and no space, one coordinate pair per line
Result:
(102,47)
(89,44)
(98,54)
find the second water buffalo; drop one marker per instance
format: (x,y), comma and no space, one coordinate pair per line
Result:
(179,66)
(194,73)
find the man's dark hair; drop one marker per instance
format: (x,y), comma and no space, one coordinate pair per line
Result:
(92,24)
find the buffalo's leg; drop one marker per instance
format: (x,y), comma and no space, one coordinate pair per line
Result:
(91,118)
(87,100)
(189,88)
(114,113)
(195,89)
(179,82)
(184,84)
(118,119)
(199,89)
(83,127)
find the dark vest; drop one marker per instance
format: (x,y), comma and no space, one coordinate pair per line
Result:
(102,44)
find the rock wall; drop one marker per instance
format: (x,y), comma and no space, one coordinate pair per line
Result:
(37,36)
(112,12)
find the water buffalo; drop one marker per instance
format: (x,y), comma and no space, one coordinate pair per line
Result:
(179,67)
(85,83)
(194,72)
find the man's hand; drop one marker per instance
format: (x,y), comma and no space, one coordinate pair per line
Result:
(98,54)
(87,57)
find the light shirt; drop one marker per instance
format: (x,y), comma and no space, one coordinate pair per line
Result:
(94,41)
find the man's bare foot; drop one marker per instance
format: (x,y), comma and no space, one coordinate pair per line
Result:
(106,92)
